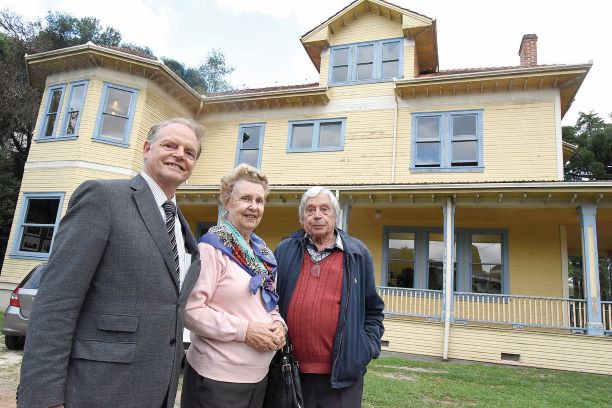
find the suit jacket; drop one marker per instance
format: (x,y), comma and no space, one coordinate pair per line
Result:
(106,327)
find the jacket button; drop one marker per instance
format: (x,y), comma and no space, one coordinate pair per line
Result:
(172,342)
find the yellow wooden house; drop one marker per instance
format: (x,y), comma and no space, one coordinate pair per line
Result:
(453,179)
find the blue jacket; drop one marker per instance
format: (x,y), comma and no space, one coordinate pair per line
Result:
(360,324)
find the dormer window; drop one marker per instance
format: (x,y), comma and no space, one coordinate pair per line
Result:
(366,62)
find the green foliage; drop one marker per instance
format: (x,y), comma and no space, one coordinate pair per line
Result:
(63,30)
(592,159)
(207,78)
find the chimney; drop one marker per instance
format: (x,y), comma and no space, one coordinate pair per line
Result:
(529,50)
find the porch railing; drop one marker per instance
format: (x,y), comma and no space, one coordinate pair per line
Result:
(606,316)
(500,309)
(411,302)
(521,310)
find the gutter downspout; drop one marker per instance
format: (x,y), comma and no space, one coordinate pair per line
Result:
(394,131)
(449,237)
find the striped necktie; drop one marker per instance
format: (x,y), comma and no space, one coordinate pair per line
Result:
(170,211)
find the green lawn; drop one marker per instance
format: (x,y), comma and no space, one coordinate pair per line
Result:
(395,382)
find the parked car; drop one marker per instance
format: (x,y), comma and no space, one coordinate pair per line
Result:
(20,306)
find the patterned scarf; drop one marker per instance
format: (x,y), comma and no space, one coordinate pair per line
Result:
(258,261)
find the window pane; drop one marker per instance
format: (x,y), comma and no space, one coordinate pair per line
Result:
(400,255)
(340,74)
(390,51)
(76,101)
(390,69)
(72,120)
(301,135)
(42,211)
(50,124)
(113,127)
(36,239)
(401,246)
(56,95)
(428,128)
(250,137)
(436,262)
(364,71)
(118,102)
(487,248)
(400,274)
(365,54)
(464,125)
(330,134)
(249,157)
(486,278)
(465,151)
(428,154)
(486,263)
(341,56)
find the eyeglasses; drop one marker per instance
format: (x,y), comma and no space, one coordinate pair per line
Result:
(310,211)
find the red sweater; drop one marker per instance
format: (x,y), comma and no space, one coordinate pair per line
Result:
(313,313)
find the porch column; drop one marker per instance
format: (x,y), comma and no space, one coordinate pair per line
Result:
(343,217)
(447,288)
(220,212)
(590,266)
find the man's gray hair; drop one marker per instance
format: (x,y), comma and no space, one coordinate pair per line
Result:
(195,127)
(312,192)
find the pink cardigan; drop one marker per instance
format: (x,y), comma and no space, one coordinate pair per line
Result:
(218,312)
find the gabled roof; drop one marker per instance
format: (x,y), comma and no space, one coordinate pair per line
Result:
(414,25)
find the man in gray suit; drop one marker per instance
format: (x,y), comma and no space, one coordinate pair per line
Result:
(106,328)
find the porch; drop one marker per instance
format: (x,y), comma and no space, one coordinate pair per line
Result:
(511,311)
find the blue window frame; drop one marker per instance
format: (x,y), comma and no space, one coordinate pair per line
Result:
(116,114)
(250,144)
(413,258)
(38,221)
(447,141)
(74,109)
(48,127)
(366,62)
(321,135)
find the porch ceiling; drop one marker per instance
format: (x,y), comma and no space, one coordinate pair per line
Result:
(511,195)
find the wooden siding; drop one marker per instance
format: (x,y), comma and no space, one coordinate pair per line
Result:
(152,106)
(368,27)
(409,64)
(61,180)
(543,349)
(518,139)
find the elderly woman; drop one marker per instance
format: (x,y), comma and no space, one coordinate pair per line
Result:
(232,311)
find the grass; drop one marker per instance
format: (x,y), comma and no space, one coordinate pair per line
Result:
(394,382)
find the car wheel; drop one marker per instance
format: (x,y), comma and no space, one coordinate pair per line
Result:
(14,342)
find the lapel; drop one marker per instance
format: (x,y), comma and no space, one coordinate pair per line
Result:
(153,221)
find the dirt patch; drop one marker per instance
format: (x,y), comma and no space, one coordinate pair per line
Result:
(393,376)
(414,369)
(447,403)
(10,365)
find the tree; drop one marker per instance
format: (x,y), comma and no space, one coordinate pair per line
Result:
(592,159)
(207,78)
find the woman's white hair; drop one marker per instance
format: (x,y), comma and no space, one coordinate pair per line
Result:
(312,192)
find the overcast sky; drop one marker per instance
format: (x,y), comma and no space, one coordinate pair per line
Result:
(260,38)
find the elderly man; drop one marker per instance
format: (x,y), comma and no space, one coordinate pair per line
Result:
(328,299)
